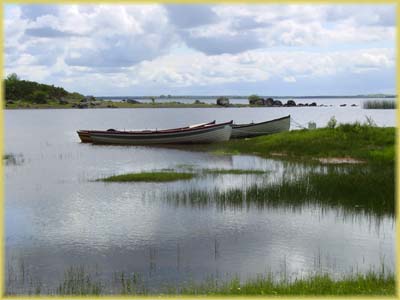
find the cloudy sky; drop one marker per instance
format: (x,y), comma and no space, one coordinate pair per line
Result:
(204,49)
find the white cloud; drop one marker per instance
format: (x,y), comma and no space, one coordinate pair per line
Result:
(242,28)
(290,79)
(126,46)
(197,69)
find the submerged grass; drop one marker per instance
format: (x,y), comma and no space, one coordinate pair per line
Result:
(379,104)
(355,188)
(149,177)
(365,142)
(233,171)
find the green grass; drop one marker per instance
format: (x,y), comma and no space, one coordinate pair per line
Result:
(13,159)
(233,171)
(369,143)
(371,283)
(355,189)
(149,177)
(379,104)
(166,175)
(8,156)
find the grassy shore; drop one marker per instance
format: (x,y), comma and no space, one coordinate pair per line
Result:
(358,284)
(149,177)
(357,141)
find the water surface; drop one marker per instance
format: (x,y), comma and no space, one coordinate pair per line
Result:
(57,216)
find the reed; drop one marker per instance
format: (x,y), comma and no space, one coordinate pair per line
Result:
(77,281)
(356,189)
(379,104)
(129,284)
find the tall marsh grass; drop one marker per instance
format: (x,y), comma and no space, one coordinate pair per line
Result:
(370,190)
(379,104)
(77,281)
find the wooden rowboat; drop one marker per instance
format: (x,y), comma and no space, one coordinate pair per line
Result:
(208,133)
(85,135)
(263,128)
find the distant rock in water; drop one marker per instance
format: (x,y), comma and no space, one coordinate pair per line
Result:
(313,104)
(277,103)
(269,102)
(290,103)
(342,105)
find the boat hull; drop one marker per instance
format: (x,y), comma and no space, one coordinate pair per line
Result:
(85,135)
(201,135)
(263,128)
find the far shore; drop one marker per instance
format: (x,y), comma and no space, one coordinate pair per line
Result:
(114,104)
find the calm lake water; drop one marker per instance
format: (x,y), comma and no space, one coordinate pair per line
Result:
(57,216)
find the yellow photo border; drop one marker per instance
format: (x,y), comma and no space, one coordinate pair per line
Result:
(181,297)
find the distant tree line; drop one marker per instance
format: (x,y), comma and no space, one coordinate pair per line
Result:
(30,91)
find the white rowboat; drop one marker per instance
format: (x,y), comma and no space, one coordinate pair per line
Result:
(263,128)
(85,135)
(195,135)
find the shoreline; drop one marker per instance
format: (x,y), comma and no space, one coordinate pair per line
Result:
(13,105)
(155,106)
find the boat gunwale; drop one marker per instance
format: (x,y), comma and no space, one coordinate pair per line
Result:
(161,137)
(234,126)
(180,129)
(154,132)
